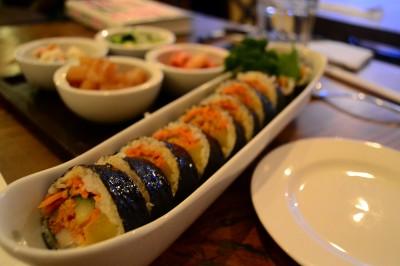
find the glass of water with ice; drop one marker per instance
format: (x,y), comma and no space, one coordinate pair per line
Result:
(286,20)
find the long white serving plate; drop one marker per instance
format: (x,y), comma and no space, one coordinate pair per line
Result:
(19,216)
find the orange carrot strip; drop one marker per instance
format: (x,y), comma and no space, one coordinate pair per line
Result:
(50,203)
(52,198)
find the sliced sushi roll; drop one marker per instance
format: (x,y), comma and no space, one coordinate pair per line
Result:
(129,201)
(189,178)
(149,179)
(216,158)
(156,184)
(252,99)
(90,204)
(215,122)
(266,85)
(236,109)
(174,162)
(306,74)
(205,151)
(287,85)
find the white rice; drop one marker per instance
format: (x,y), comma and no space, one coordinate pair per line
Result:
(257,105)
(226,139)
(261,82)
(243,116)
(201,153)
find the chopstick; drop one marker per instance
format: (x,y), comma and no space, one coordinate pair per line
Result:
(350,78)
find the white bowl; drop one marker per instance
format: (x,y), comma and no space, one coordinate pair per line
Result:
(180,81)
(40,73)
(138,50)
(113,105)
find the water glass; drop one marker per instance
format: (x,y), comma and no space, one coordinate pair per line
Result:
(286,20)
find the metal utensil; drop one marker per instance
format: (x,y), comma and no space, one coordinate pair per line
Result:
(324,94)
(358,82)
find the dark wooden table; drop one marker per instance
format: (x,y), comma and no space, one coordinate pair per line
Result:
(229,232)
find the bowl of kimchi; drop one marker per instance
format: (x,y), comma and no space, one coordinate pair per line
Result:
(108,90)
(188,65)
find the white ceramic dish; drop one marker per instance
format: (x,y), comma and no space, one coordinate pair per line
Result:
(5,258)
(3,183)
(112,105)
(331,201)
(137,50)
(179,80)
(39,73)
(20,232)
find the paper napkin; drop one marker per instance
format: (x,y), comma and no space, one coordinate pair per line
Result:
(342,54)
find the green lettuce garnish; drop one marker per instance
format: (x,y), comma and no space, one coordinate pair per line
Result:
(251,54)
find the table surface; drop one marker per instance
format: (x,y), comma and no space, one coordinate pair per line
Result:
(382,34)
(229,232)
(388,21)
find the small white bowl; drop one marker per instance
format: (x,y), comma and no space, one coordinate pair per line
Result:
(112,105)
(40,73)
(179,80)
(137,50)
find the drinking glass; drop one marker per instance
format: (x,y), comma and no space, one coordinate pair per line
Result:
(286,20)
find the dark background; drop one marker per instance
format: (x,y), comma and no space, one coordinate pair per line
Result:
(381,39)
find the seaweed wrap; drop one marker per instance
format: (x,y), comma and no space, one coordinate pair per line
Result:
(251,98)
(149,179)
(266,85)
(205,151)
(89,204)
(237,110)
(174,162)
(217,123)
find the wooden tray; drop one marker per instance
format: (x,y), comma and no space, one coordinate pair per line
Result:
(45,114)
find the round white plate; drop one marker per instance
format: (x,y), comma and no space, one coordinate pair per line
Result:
(331,201)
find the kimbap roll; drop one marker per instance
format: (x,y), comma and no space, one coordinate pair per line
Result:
(236,109)
(149,180)
(306,73)
(215,122)
(287,85)
(252,99)
(266,85)
(90,204)
(149,175)
(205,151)
(174,162)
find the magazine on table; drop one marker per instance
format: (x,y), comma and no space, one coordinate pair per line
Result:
(100,14)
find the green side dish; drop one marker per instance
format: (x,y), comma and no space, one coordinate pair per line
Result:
(135,38)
